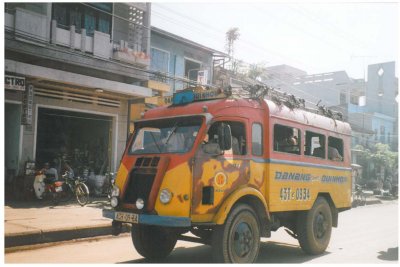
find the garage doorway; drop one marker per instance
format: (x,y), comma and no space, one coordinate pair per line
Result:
(81,139)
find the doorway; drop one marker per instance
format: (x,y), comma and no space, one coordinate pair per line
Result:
(81,139)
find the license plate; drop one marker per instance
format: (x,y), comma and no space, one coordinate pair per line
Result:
(58,189)
(126,217)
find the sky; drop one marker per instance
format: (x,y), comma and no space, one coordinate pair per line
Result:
(314,37)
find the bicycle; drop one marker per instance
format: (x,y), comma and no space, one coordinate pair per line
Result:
(76,187)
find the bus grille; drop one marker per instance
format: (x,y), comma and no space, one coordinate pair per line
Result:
(141,180)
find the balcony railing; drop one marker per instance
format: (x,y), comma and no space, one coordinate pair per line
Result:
(33,28)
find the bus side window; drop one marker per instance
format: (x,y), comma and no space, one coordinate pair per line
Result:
(238,137)
(335,149)
(286,139)
(315,145)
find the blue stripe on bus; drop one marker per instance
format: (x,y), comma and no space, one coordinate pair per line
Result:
(302,164)
(288,162)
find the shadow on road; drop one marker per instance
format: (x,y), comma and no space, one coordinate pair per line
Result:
(392,254)
(270,252)
(94,202)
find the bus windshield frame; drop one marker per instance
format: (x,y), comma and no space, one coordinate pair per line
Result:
(168,135)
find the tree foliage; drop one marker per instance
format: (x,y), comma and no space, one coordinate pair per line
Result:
(379,156)
(231,36)
(256,70)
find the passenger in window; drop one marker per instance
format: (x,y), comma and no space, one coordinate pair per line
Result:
(289,142)
(320,151)
(333,153)
(235,146)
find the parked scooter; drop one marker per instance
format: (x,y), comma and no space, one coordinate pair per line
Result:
(47,185)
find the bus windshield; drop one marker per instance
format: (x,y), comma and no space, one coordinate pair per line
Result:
(175,135)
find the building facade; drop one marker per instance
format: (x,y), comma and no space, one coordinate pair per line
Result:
(186,61)
(369,106)
(381,103)
(176,63)
(70,71)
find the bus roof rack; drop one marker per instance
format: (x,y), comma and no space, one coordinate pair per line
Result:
(282,98)
(256,92)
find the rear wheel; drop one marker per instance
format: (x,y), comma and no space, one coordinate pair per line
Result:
(238,240)
(314,227)
(153,242)
(82,194)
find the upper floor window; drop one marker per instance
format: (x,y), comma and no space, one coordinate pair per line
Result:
(286,139)
(90,16)
(192,69)
(343,98)
(159,60)
(40,8)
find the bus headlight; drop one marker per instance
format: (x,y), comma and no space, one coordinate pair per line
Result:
(115,191)
(139,203)
(165,196)
(114,202)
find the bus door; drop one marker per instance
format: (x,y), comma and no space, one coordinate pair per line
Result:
(217,173)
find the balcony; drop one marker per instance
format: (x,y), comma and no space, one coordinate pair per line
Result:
(123,53)
(38,29)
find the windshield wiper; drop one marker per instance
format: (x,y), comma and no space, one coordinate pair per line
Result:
(155,142)
(171,133)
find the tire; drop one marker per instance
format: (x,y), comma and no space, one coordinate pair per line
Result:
(153,242)
(82,194)
(238,240)
(314,227)
(66,194)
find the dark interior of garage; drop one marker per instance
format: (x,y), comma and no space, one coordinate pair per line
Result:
(82,140)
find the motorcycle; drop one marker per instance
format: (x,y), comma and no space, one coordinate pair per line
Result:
(47,186)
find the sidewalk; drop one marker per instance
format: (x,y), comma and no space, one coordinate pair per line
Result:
(34,222)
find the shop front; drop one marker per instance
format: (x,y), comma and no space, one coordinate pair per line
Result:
(83,127)
(82,140)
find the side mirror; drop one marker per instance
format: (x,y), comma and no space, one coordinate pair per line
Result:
(225,136)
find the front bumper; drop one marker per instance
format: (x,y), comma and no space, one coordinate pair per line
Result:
(168,221)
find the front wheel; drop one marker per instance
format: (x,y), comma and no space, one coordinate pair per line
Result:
(314,227)
(238,240)
(153,242)
(82,194)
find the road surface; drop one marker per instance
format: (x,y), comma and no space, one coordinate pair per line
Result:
(366,234)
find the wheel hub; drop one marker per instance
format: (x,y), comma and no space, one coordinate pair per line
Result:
(243,239)
(320,225)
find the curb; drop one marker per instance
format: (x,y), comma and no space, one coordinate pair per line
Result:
(372,202)
(24,239)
